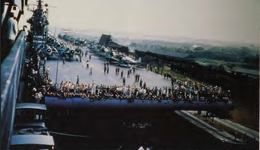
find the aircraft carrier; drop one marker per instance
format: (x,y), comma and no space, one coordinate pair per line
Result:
(45,106)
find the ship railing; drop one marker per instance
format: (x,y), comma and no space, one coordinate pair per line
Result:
(10,79)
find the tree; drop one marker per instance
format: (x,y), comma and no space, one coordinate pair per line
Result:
(247,60)
(256,59)
(199,48)
(232,66)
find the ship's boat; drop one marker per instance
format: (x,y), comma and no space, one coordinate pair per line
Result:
(25,142)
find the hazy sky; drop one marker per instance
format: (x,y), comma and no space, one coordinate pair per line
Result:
(226,20)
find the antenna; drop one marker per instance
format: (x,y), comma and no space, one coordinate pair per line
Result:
(39,5)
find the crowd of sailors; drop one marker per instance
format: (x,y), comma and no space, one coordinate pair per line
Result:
(187,91)
(181,91)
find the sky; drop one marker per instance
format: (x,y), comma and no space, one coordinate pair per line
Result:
(224,20)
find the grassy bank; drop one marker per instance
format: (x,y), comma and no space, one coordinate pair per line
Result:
(167,69)
(205,61)
(243,112)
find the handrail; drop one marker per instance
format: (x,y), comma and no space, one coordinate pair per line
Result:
(10,79)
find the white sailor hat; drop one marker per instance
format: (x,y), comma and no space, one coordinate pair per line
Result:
(34,89)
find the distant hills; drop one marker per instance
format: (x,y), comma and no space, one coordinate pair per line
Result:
(129,37)
(201,49)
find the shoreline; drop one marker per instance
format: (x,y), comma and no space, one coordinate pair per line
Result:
(238,110)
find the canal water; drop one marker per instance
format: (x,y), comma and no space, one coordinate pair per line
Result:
(111,129)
